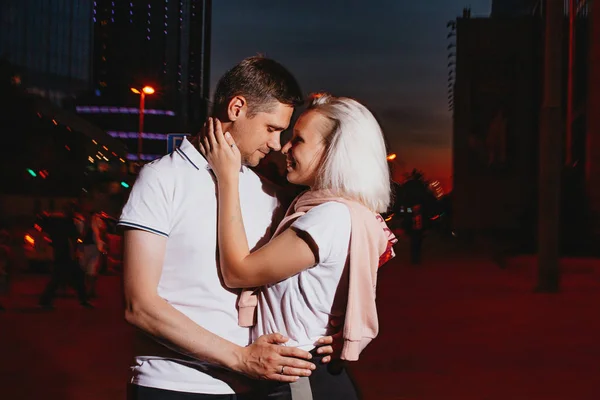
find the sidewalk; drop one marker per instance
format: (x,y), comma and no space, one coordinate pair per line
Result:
(456,327)
(459,327)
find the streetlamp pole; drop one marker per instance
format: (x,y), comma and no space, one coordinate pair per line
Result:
(141,125)
(146,90)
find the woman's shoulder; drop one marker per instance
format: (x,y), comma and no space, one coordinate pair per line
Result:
(329,226)
(331,210)
(328,215)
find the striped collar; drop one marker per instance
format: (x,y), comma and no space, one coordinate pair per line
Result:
(188,151)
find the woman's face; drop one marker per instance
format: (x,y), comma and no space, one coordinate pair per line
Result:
(306,149)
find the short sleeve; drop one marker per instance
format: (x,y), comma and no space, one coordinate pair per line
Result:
(329,226)
(149,204)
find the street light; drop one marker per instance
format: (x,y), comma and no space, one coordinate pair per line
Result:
(146,90)
(397,166)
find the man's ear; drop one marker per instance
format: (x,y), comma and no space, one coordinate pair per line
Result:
(236,108)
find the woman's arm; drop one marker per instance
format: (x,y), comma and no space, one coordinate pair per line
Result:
(145,309)
(288,254)
(271,263)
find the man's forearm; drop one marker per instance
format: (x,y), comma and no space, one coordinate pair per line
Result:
(175,330)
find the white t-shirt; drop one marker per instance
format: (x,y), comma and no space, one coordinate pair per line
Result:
(300,307)
(175,197)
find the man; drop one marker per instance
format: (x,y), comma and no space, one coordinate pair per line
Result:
(63,233)
(173,289)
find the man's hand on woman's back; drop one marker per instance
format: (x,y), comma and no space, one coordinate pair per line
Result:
(266,358)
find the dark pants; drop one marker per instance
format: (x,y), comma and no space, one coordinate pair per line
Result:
(327,382)
(136,392)
(66,271)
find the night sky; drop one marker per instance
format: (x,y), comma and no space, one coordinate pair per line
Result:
(390,55)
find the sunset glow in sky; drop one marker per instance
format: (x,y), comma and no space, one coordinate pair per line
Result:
(390,55)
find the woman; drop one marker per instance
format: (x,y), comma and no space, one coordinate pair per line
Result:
(311,272)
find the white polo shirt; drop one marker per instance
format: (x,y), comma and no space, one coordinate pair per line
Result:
(175,197)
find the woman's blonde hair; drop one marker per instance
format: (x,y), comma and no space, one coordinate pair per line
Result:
(355,164)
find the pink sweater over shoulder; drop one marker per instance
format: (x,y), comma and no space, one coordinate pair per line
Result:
(371,244)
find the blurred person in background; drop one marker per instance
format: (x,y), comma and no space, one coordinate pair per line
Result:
(92,233)
(66,271)
(415,233)
(5,260)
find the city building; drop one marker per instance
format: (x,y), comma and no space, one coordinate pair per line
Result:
(49,152)
(50,156)
(516,8)
(50,41)
(495,94)
(163,44)
(496,108)
(45,64)
(583,102)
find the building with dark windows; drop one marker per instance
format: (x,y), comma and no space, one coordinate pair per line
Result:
(49,152)
(164,44)
(50,155)
(583,94)
(496,98)
(516,8)
(50,41)
(496,108)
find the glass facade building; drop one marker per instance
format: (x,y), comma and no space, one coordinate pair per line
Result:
(51,41)
(161,43)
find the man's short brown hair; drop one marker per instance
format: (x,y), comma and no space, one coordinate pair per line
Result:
(261,81)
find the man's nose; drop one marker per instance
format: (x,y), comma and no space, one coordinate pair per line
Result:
(274,143)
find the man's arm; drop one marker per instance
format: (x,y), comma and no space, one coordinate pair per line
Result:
(143,257)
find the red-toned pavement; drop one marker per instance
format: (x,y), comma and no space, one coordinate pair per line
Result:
(456,327)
